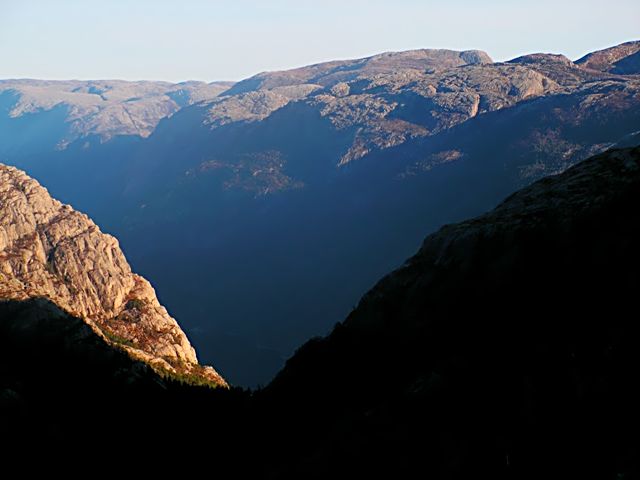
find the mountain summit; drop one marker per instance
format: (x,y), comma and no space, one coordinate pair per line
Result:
(622,59)
(49,250)
(103,108)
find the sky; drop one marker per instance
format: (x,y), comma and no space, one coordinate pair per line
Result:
(229,40)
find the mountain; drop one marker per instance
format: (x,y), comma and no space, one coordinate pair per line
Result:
(48,250)
(67,394)
(56,372)
(303,187)
(388,99)
(622,59)
(54,114)
(504,348)
(328,74)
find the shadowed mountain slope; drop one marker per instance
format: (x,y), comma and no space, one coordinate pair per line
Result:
(49,250)
(505,347)
(105,108)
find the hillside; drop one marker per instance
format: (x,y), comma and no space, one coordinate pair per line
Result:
(296,187)
(58,113)
(622,59)
(503,348)
(48,250)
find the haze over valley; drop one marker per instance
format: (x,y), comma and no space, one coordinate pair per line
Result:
(263,210)
(286,240)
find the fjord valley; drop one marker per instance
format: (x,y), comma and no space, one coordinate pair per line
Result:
(292,240)
(262,210)
(502,348)
(49,251)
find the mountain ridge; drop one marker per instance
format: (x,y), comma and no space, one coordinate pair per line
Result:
(503,348)
(106,108)
(620,59)
(332,72)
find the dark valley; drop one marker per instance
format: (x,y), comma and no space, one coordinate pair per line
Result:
(504,348)
(283,240)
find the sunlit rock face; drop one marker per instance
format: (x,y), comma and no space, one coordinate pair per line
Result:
(49,250)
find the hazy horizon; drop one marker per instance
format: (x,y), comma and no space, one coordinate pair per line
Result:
(197,40)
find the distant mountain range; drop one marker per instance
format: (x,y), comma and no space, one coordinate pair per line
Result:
(261,211)
(106,108)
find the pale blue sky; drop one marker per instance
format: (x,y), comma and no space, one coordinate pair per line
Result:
(228,40)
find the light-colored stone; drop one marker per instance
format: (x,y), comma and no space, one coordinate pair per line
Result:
(107,108)
(49,250)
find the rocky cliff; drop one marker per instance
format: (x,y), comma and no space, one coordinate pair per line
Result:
(505,348)
(106,108)
(49,250)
